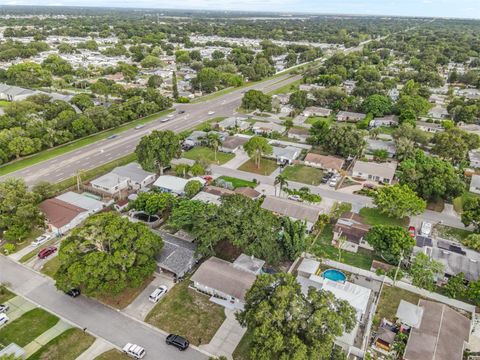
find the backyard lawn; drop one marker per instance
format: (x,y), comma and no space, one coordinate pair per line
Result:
(66,346)
(28,327)
(5,294)
(304,174)
(201,153)
(313,119)
(236,182)
(185,312)
(123,299)
(51,266)
(25,242)
(113,354)
(373,217)
(267,166)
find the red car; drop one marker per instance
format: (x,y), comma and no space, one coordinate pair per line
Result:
(411,231)
(47,252)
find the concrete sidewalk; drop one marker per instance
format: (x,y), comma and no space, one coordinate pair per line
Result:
(227,337)
(97,348)
(18,306)
(47,336)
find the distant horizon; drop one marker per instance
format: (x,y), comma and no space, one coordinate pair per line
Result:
(441,9)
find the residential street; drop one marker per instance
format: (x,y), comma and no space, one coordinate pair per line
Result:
(100,320)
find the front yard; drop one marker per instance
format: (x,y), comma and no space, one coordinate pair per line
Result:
(185,312)
(5,294)
(304,174)
(267,166)
(242,351)
(123,299)
(205,154)
(66,346)
(51,267)
(236,182)
(372,216)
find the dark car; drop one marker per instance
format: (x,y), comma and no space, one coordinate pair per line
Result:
(47,252)
(179,342)
(181,112)
(326,177)
(73,292)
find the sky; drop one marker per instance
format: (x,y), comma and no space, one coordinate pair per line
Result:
(431,8)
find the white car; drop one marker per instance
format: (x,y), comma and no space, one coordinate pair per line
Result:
(333,182)
(426,229)
(134,351)
(3,319)
(41,239)
(158,293)
(138,127)
(211,112)
(295,198)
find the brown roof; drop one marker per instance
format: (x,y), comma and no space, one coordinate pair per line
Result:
(299,131)
(441,336)
(233,142)
(292,209)
(328,162)
(59,213)
(381,265)
(351,226)
(222,276)
(219,191)
(248,192)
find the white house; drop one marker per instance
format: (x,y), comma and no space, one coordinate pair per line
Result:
(174,184)
(316,111)
(260,128)
(61,216)
(110,183)
(475,184)
(429,126)
(350,116)
(381,172)
(137,177)
(285,155)
(233,123)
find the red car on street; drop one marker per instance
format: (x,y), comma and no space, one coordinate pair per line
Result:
(47,252)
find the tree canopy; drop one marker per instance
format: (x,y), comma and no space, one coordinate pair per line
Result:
(391,242)
(156,150)
(398,201)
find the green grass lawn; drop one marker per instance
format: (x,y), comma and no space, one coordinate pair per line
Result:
(236,182)
(66,346)
(25,242)
(389,301)
(185,312)
(323,248)
(113,354)
(293,86)
(5,294)
(313,119)
(304,174)
(51,266)
(242,351)
(267,166)
(202,153)
(452,233)
(123,299)
(373,217)
(77,144)
(27,327)
(4,103)
(203,125)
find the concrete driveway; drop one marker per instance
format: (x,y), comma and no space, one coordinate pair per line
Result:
(141,306)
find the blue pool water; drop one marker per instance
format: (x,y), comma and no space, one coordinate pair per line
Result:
(334,275)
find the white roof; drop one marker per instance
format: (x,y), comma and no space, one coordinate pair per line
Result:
(356,295)
(409,314)
(207,198)
(174,184)
(81,201)
(308,266)
(109,180)
(384,170)
(133,171)
(475,183)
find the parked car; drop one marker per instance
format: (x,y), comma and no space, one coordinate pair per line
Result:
(43,254)
(333,181)
(179,342)
(295,198)
(411,231)
(181,112)
(211,112)
(426,229)
(326,178)
(158,293)
(4,308)
(134,351)
(3,319)
(369,186)
(73,292)
(41,239)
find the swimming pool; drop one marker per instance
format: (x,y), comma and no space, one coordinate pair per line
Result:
(334,275)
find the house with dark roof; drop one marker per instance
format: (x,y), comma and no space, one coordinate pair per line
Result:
(248,192)
(232,144)
(62,216)
(292,209)
(352,229)
(177,256)
(326,162)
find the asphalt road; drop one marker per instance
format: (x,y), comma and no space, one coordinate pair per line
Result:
(98,153)
(100,320)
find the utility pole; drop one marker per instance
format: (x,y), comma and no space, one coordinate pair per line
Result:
(398,268)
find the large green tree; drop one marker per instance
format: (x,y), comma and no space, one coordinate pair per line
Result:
(424,271)
(398,201)
(256,147)
(256,100)
(287,324)
(377,105)
(453,144)
(155,151)
(391,242)
(153,202)
(471,212)
(344,141)
(107,254)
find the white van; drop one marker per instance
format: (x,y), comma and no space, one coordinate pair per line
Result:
(426,229)
(41,239)
(158,293)
(134,351)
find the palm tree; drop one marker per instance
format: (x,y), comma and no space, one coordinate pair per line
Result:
(288,123)
(256,147)
(282,181)
(214,141)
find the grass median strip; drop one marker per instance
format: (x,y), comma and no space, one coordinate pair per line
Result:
(74,145)
(66,346)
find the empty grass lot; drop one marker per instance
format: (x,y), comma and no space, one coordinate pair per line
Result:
(113,354)
(373,217)
(236,182)
(66,346)
(202,153)
(304,174)
(27,327)
(267,166)
(185,312)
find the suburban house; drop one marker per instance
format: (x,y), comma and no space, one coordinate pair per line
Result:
(475,184)
(62,216)
(207,198)
(84,201)
(292,209)
(248,192)
(429,126)
(350,116)
(233,123)
(440,333)
(195,138)
(177,256)
(316,111)
(285,155)
(14,93)
(219,191)
(438,112)
(226,282)
(260,128)
(137,177)
(470,128)
(387,145)
(232,144)
(349,85)
(299,133)
(391,120)
(110,183)
(352,228)
(326,162)
(174,184)
(309,274)
(380,172)
(474,157)
(281,98)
